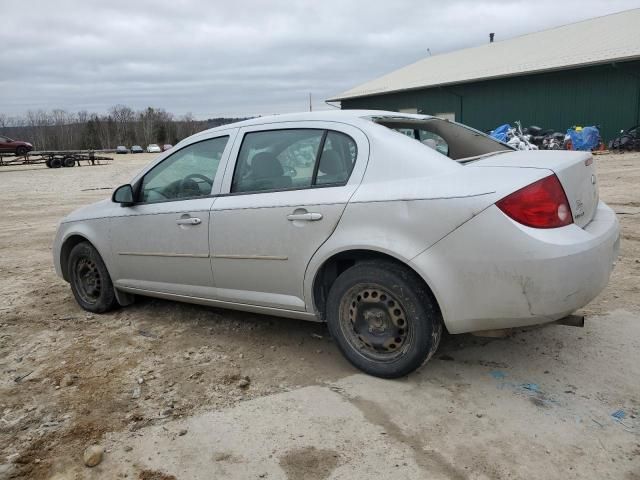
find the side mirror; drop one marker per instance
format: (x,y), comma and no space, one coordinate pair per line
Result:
(123,195)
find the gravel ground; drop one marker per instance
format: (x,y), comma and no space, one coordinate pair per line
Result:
(182,391)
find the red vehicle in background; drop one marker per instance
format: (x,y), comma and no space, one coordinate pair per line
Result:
(8,145)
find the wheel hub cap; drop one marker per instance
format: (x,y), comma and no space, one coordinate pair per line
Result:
(89,281)
(376,322)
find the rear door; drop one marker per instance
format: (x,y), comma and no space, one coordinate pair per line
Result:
(284,191)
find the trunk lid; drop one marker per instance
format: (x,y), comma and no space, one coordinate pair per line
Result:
(575,170)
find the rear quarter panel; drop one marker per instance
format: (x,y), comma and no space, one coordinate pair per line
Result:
(403,218)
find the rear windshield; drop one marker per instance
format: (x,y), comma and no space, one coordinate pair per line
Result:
(456,141)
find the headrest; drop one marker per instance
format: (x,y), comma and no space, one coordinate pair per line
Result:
(266,165)
(330,163)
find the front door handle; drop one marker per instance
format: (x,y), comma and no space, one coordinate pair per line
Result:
(189,221)
(309,216)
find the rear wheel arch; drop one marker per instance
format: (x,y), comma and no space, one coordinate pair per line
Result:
(332,267)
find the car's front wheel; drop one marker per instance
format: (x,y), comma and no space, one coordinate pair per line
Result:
(383,318)
(90,281)
(21,151)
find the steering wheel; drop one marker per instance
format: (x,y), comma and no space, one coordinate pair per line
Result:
(199,176)
(189,184)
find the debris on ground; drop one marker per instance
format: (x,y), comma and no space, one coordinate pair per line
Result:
(619,414)
(67,380)
(44,336)
(92,455)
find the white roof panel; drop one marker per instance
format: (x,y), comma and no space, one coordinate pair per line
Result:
(605,39)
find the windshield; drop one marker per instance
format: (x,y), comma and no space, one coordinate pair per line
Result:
(456,141)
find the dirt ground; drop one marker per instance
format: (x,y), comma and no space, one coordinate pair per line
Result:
(180,391)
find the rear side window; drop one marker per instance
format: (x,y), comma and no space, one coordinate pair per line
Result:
(337,159)
(293,159)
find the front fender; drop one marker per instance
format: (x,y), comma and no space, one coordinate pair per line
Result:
(95,231)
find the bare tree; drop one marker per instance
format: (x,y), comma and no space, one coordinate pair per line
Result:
(62,130)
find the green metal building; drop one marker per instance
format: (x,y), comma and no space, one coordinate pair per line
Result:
(586,73)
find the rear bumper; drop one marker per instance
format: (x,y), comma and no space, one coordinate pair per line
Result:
(494,273)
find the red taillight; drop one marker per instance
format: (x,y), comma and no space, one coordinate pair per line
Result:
(542,204)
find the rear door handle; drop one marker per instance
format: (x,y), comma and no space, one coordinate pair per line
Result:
(308,217)
(189,221)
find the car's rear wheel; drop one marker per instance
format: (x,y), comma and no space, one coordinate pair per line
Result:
(383,318)
(21,151)
(90,281)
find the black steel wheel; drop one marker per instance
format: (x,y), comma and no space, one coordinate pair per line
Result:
(374,322)
(55,163)
(384,319)
(90,281)
(69,162)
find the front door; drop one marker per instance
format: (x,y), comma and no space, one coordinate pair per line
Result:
(287,192)
(161,243)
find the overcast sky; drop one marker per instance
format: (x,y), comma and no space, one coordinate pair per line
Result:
(240,57)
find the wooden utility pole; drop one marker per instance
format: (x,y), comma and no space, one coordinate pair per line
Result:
(310,106)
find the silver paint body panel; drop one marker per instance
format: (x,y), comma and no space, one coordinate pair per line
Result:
(402,199)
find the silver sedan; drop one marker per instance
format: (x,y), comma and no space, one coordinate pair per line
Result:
(389,227)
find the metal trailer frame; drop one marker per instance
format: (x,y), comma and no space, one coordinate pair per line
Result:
(55,158)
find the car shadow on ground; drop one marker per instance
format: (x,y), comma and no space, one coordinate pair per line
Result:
(311,342)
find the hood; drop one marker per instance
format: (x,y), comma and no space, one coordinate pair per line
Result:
(103,208)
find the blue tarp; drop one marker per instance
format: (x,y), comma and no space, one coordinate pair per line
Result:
(587,139)
(500,133)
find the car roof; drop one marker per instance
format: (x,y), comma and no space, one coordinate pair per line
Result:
(346,116)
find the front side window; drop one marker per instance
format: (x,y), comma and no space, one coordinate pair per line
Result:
(293,159)
(188,173)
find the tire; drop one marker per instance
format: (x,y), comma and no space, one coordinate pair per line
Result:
(383,318)
(69,162)
(47,162)
(21,151)
(55,163)
(90,281)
